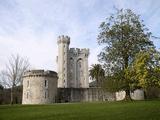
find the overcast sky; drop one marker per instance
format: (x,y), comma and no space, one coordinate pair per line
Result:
(31,27)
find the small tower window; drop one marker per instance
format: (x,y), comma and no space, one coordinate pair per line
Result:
(46,94)
(27,83)
(27,95)
(46,83)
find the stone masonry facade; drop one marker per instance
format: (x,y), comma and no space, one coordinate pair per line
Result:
(72,65)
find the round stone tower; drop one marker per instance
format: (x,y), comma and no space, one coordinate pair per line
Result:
(39,87)
(63,50)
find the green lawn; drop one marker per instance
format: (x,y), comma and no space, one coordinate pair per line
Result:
(140,110)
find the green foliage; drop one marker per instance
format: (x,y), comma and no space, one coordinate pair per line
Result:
(97,73)
(146,70)
(143,110)
(114,83)
(125,37)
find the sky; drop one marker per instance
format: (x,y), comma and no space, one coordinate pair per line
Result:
(30,27)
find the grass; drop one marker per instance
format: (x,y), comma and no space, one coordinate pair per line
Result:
(139,110)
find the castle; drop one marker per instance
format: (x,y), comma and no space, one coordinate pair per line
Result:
(71,84)
(72,65)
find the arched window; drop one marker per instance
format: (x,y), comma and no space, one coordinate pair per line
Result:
(79,63)
(71,67)
(71,64)
(79,72)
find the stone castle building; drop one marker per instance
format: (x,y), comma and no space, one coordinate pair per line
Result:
(39,87)
(72,65)
(70,85)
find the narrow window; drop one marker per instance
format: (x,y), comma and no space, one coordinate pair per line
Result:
(27,95)
(45,94)
(46,83)
(79,64)
(28,83)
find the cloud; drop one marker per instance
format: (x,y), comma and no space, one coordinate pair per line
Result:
(31,27)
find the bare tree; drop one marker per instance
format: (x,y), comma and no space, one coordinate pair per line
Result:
(12,75)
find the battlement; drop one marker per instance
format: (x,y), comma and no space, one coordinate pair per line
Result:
(40,73)
(79,51)
(63,39)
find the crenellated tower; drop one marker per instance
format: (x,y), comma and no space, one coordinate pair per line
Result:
(78,68)
(63,49)
(72,65)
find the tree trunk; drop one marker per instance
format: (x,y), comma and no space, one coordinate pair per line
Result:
(11,102)
(128,96)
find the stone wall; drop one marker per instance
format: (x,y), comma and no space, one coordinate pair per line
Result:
(83,95)
(5,95)
(94,94)
(135,95)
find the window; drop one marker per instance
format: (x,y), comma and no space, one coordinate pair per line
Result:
(46,83)
(27,83)
(46,94)
(27,95)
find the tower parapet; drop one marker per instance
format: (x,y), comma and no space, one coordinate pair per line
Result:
(79,51)
(40,73)
(63,39)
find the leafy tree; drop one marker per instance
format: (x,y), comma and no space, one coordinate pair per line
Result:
(124,35)
(145,70)
(97,73)
(12,75)
(114,83)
